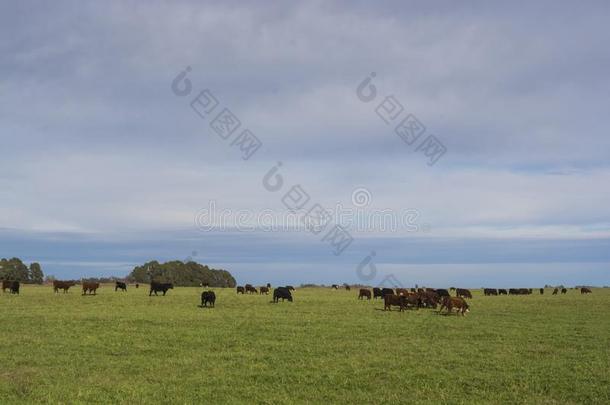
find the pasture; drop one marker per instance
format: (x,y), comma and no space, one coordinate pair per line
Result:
(325,347)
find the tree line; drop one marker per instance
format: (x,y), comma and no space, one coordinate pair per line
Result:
(189,274)
(15,270)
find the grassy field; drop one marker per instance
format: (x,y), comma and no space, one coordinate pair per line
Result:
(325,347)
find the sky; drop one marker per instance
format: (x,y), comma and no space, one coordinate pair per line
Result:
(109,159)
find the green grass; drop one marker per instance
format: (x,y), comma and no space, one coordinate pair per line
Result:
(326,347)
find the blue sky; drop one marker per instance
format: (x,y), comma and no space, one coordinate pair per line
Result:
(104,167)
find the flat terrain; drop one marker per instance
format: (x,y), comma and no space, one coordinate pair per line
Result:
(326,347)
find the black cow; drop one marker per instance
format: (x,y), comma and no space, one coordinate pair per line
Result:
(564,291)
(208,297)
(386,291)
(377,293)
(513,291)
(14,287)
(541,291)
(442,292)
(120,285)
(241,290)
(347,287)
(283,293)
(490,291)
(156,287)
(263,290)
(396,300)
(555,291)
(290,288)
(462,292)
(335,287)
(502,291)
(585,290)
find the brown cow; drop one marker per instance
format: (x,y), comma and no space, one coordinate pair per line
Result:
(585,290)
(458,303)
(364,293)
(250,289)
(62,285)
(90,287)
(6,285)
(263,290)
(393,299)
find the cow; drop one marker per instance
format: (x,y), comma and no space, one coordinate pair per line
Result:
(283,293)
(62,285)
(428,299)
(458,303)
(13,286)
(490,291)
(555,291)
(377,293)
(386,291)
(90,287)
(6,285)
(513,291)
(250,289)
(542,291)
(290,288)
(393,299)
(416,300)
(137,285)
(347,287)
(120,285)
(241,290)
(208,297)
(263,290)
(364,293)
(585,290)
(402,291)
(268,285)
(502,291)
(334,287)
(564,291)
(442,292)
(413,290)
(163,287)
(462,292)
(205,284)
(421,290)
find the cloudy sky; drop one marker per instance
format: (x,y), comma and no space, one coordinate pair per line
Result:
(104,166)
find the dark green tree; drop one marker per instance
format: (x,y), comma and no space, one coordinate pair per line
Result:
(181,274)
(36,274)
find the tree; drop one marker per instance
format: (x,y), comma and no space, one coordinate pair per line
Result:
(181,274)
(14,269)
(36,274)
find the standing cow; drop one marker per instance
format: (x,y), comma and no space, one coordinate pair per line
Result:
(364,293)
(585,290)
(62,285)
(91,288)
(283,293)
(160,287)
(462,292)
(458,303)
(263,290)
(119,285)
(208,297)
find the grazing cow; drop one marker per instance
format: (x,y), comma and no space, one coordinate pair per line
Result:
(377,293)
(91,288)
(502,291)
(555,291)
(120,285)
(283,293)
(490,291)
(263,290)
(347,287)
(62,285)
(290,288)
(585,290)
(442,292)
(13,286)
(513,291)
(364,293)
(334,287)
(462,292)
(208,297)
(455,302)
(541,291)
(163,287)
(241,290)
(392,299)
(250,289)
(564,291)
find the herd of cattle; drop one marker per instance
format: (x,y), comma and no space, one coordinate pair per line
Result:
(402,298)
